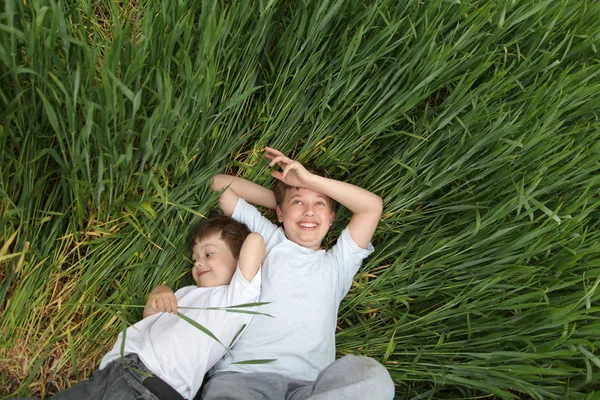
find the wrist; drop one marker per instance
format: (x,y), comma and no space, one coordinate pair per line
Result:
(316,182)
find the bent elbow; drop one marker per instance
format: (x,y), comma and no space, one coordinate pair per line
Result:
(218,182)
(378,205)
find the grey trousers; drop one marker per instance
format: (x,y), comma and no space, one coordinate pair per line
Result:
(348,378)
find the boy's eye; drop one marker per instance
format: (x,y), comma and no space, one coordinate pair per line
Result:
(209,254)
(320,203)
(296,202)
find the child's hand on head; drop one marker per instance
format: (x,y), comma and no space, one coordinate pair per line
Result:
(162,299)
(292,172)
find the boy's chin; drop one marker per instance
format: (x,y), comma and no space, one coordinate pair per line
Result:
(310,241)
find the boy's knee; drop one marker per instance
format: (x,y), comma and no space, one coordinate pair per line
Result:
(372,371)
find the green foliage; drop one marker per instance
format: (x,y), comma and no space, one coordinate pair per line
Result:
(476,121)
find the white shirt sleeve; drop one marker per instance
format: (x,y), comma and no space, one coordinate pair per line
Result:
(256,222)
(347,257)
(240,288)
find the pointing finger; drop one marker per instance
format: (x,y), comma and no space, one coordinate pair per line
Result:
(273,151)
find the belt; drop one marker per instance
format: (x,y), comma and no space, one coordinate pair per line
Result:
(161,389)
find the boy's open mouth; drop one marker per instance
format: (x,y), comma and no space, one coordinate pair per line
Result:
(308,225)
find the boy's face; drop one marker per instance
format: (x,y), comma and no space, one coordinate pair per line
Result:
(214,264)
(306,217)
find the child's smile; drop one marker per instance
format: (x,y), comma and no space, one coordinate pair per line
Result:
(308,224)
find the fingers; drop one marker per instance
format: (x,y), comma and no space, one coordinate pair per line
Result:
(173,304)
(160,304)
(287,165)
(277,175)
(273,152)
(291,166)
(276,157)
(281,175)
(282,161)
(165,303)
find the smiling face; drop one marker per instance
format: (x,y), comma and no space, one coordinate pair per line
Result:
(214,263)
(306,217)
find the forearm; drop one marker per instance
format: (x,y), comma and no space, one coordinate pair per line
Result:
(366,207)
(356,199)
(249,191)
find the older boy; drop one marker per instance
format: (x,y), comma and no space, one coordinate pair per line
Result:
(305,286)
(164,356)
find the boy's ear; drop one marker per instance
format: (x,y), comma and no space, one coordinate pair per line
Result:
(279,214)
(332,217)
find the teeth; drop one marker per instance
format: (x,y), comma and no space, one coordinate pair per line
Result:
(308,225)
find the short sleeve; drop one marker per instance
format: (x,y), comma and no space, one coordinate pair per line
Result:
(256,222)
(347,257)
(239,284)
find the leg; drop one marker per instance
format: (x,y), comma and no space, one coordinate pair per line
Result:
(245,386)
(118,381)
(350,378)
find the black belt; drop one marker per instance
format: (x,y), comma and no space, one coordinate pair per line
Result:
(161,389)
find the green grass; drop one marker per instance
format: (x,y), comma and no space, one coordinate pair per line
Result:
(477,123)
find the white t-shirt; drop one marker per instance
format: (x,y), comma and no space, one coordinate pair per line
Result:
(175,350)
(305,287)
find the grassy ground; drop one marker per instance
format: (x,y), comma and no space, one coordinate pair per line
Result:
(476,121)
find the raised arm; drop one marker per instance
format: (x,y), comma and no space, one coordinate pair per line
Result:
(240,187)
(252,255)
(366,207)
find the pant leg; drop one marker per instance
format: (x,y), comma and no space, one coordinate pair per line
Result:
(120,380)
(245,386)
(350,377)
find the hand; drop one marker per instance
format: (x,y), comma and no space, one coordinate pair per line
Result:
(162,299)
(292,172)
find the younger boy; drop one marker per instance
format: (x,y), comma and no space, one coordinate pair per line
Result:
(166,357)
(304,285)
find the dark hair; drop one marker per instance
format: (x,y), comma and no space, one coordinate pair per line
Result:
(280,188)
(231,231)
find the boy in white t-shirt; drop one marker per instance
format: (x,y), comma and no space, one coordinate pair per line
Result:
(166,357)
(304,286)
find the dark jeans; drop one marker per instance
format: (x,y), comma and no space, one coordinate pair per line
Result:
(122,379)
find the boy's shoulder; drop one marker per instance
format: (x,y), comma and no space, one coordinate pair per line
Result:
(251,215)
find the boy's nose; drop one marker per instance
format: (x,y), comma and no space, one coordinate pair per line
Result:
(308,210)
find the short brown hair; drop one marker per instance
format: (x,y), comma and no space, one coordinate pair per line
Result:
(280,188)
(232,232)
